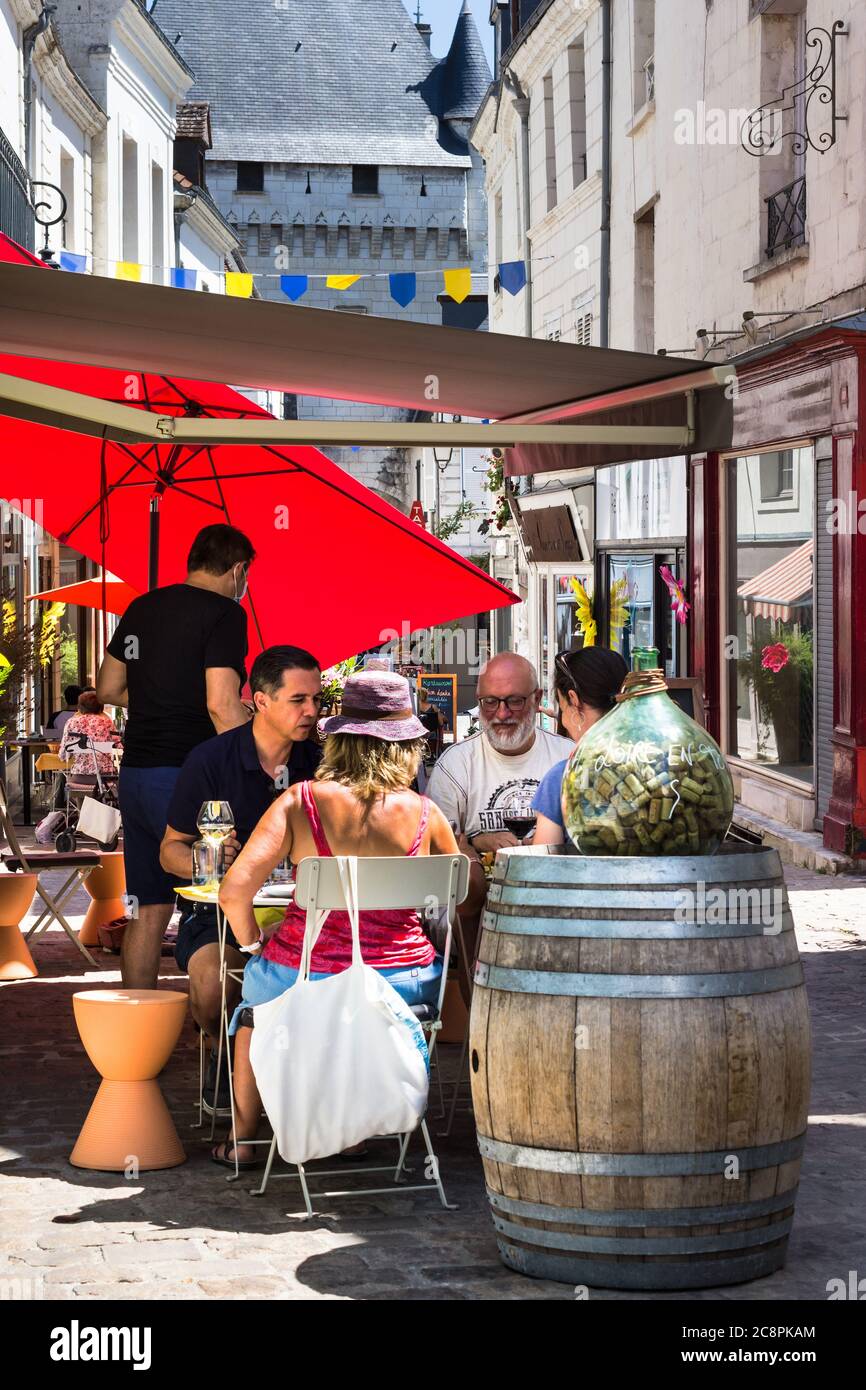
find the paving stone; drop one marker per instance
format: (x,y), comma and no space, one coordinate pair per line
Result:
(187,1234)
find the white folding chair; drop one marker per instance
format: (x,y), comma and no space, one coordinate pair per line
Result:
(432,885)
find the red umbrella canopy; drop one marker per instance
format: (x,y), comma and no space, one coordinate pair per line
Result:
(10,251)
(337,569)
(89,594)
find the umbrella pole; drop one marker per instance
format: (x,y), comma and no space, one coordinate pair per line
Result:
(153,550)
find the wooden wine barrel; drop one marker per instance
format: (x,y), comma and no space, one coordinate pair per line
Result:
(640,1080)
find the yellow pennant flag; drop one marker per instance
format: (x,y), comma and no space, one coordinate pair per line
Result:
(341,282)
(239,284)
(458,283)
(127,270)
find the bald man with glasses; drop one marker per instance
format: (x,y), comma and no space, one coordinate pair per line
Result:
(494,775)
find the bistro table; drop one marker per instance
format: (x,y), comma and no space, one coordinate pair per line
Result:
(276,896)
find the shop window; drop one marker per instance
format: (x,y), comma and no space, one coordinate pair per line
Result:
(770,605)
(636,608)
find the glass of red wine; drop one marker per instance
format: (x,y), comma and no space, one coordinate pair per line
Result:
(519,821)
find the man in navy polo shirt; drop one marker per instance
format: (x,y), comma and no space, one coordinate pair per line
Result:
(248,767)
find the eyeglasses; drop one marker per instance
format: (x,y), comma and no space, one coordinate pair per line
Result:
(491,703)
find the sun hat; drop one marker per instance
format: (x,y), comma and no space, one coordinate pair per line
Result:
(376,704)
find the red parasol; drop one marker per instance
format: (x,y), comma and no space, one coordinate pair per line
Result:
(338,570)
(109,595)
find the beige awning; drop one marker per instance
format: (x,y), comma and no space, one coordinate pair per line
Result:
(653,404)
(782,590)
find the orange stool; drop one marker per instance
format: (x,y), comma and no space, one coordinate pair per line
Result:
(106,886)
(16,895)
(129,1035)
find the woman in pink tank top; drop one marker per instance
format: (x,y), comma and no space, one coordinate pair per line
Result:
(360,803)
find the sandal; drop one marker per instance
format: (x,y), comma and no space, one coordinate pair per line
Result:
(350,1155)
(220,1155)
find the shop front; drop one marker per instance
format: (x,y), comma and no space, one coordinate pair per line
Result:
(777,543)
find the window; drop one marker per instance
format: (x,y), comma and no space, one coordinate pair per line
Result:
(637,609)
(498,256)
(549,145)
(770,608)
(583,329)
(365,179)
(67,188)
(251,177)
(129,197)
(644,282)
(157,212)
(643,49)
(577,112)
(777,476)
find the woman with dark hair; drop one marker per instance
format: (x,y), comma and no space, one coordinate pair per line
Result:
(586,684)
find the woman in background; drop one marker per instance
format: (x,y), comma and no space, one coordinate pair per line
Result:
(586,684)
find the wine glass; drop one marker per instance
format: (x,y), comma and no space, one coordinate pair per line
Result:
(215,821)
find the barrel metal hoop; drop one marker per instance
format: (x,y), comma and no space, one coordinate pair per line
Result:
(614,929)
(667,899)
(722,984)
(650,1165)
(650,1216)
(753,864)
(644,1245)
(638,1274)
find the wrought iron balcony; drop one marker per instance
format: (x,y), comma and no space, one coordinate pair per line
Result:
(786,217)
(16,213)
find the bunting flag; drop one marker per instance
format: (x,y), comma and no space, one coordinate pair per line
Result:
(127,270)
(404,287)
(458,283)
(341,282)
(70,260)
(239,284)
(183,279)
(293,286)
(512,276)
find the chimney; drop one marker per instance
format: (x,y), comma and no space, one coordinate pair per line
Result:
(425,30)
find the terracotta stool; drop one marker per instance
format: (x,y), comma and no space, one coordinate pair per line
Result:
(106,886)
(129,1035)
(16,895)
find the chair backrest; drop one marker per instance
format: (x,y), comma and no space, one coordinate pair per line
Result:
(429,882)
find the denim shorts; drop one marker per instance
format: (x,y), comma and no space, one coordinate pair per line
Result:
(267,979)
(145,794)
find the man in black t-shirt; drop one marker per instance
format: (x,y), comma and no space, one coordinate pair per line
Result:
(248,767)
(177,661)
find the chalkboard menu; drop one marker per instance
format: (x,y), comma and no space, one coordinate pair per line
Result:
(442,694)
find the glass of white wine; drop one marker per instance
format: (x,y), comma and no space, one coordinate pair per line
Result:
(215,821)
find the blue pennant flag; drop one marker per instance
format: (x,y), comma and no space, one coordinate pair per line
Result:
(183,279)
(294,286)
(403,288)
(69,260)
(512,276)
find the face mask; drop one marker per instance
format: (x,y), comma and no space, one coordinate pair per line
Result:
(240,596)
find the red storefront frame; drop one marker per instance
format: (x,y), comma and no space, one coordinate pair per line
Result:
(812,388)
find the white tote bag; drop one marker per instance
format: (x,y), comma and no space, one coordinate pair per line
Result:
(340,1060)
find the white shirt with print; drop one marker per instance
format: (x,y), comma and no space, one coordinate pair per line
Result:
(473,785)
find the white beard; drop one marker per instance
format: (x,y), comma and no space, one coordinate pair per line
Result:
(518,734)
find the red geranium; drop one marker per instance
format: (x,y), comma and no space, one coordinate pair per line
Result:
(774,657)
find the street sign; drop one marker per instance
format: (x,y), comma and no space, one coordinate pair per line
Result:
(416,513)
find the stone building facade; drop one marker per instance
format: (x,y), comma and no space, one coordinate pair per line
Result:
(340,147)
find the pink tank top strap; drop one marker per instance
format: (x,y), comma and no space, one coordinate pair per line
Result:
(309,803)
(422,825)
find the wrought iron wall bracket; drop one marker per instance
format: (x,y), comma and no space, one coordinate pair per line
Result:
(43,206)
(817,87)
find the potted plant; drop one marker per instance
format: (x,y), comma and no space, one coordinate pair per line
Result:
(781,675)
(333,681)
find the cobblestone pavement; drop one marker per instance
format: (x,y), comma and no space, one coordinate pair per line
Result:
(186,1233)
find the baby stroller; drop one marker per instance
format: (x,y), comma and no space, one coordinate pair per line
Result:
(100,786)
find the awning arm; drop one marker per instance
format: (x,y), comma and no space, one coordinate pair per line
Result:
(719,375)
(52,405)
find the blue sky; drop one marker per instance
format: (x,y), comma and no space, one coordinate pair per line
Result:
(442,14)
